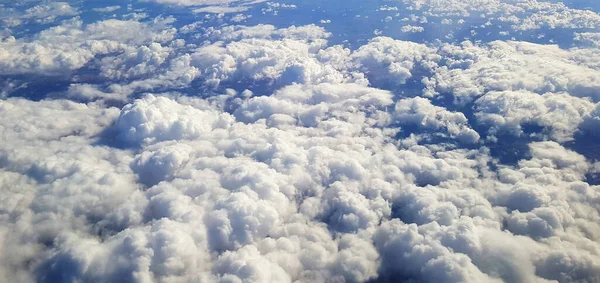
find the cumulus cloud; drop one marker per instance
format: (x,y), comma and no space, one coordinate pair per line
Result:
(69,46)
(271,194)
(421,113)
(43,13)
(269,154)
(107,9)
(256,56)
(387,62)
(412,29)
(157,119)
(473,70)
(522,15)
(558,113)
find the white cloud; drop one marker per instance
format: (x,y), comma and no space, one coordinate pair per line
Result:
(591,38)
(472,70)
(390,62)
(44,13)
(406,253)
(254,57)
(61,49)
(308,180)
(421,113)
(135,62)
(522,15)
(107,9)
(412,29)
(560,114)
(273,188)
(157,119)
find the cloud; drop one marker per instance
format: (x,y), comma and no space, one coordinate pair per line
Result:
(256,56)
(157,118)
(591,38)
(499,66)
(422,114)
(272,194)
(559,114)
(59,50)
(521,15)
(412,29)
(44,13)
(591,120)
(407,254)
(232,153)
(52,203)
(107,9)
(386,61)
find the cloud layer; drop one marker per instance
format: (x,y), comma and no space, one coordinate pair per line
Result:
(191,152)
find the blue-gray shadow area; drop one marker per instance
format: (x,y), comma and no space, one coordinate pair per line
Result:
(62,268)
(586,143)
(507,148)
(36,87)
(396,277)
(593,179)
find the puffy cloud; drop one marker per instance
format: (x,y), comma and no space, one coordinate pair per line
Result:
(43,13)
(107,9)
(590,38)
(407,254)
(412,29)
(560,114)
(156,166)
(61,49)
(386,61)
(310,105)
(422,114)
(312,34)
(158,118)
(522,15)
(565,266)
(166,251)
(472,70)
(256,57)
(271,194)
(64,181)
(136,62)
(338,170)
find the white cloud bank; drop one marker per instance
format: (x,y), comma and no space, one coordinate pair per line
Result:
(521,15)
(310,181)
(61,49)
(256,195)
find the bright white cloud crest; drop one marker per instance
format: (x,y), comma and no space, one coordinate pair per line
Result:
(141,147)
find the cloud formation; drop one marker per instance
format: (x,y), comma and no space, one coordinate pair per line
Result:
(61,49)
(224,153)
